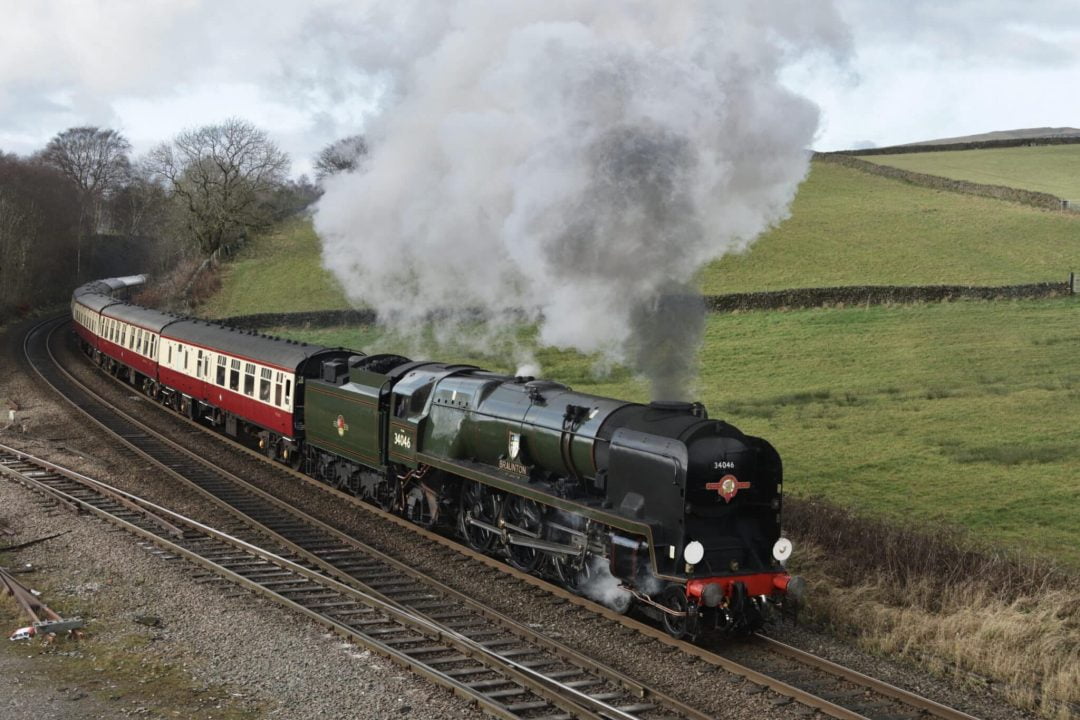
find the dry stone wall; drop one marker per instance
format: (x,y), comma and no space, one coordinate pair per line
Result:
(855,295)
(999,192)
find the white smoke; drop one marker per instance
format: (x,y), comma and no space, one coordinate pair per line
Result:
(577,161)
(603,587)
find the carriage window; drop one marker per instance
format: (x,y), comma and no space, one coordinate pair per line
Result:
(198,363)
(234,375)
(153,345)
(264,385)
(221,370)
(277,390)
(169,360)
(288,391)
(187,358)
(249,379)
(144,342)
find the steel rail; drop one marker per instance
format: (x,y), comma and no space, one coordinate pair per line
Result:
(805,697)
(854,676)
(136,441)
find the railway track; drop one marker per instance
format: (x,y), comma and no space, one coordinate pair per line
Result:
(449,647)
(811,681)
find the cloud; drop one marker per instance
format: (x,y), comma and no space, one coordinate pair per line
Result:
(69,62)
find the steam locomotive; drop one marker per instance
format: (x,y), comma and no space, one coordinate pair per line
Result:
(650,506)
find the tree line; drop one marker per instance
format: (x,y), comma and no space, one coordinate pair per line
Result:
(82,207)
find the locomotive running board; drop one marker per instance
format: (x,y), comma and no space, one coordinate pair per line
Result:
(523,541)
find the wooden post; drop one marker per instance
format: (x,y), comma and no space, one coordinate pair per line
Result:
(1072,283)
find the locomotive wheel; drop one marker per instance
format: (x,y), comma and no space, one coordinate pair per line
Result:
(527,515)
(479,502)
(571,576)
(675,598)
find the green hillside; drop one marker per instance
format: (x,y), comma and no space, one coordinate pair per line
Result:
(851,228)
(277,271)
(1053,169)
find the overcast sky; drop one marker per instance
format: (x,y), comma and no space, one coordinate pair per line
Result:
(912,71)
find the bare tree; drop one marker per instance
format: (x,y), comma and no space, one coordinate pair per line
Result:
(96,161)
(222,175)
(138,208)
(342,155)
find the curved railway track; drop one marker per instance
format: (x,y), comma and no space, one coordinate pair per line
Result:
(814,682)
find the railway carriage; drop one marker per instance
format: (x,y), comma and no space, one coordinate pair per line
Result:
(243,382)
(130,336)
(86,310)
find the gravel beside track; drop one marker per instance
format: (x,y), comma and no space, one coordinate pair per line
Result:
(693,681)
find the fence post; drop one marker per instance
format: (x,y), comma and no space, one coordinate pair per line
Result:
(1072,283)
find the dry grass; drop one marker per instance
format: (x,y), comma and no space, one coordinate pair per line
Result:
(930,595)
(171,291)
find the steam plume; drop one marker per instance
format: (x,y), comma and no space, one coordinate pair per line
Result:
(578,160)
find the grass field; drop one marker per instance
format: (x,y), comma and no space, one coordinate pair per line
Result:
(964,413)
(1053,169)
(278,271)
(851,228)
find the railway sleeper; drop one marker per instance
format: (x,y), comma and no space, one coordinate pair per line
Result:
(509,692)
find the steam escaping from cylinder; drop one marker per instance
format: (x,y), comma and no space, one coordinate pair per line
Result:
(573,164)
(603,587)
